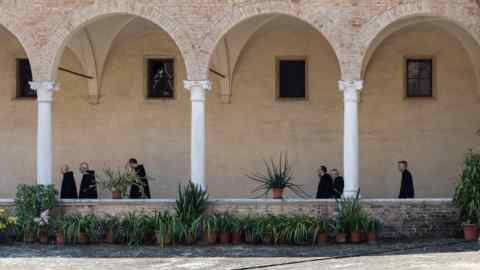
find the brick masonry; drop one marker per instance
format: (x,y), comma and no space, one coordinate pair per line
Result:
(43,27)
(418,218)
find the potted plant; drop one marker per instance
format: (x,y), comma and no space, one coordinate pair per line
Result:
(340,233)
(225,228)
(373,228)
(149,229)
(96,230)
(265,230)
(467,195)
(118,182)
(321,231)
(356,233)
(191,204)
(237,227)
(210,229)
(30,202)
(109,223)
(251,229)
(7,225)
(134,223)
(59,225)
(164,228)
(84,228)
(277,178)
(42,222)
(71,227)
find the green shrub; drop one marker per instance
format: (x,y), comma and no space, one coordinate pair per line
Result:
(467,192)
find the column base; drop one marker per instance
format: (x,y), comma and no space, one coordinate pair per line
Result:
(351,194)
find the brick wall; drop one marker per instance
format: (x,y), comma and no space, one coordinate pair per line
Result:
(418,218)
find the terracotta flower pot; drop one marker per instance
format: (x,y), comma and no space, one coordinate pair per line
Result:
(470,232)
(355,237)
(163,239)
(225,238)
(83,238)
(210,238)
(28,237)
(43,235)
(372,237)
(341,238)
(116,195)
(322,238)
(109,237)
(60,238)
(277,193)
(236,238)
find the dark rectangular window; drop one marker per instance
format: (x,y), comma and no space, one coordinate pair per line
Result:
(24,76)
(292,78)
(160,78)
(419,78)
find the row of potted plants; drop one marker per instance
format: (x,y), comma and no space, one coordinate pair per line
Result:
(164,228)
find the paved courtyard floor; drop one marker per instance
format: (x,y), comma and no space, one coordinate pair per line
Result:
(451,254)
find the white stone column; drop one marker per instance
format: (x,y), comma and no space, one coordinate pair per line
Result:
(45,91)
(198,91)
(351,91)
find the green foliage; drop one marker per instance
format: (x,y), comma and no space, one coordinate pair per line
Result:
(224,223)
(210,224)
(277,175)
(120,181)
(135,224)
(467,192)
(30,202)
(72,227)
(191,204)
(166,227)
(351,216)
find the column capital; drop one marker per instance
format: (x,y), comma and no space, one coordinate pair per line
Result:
(44,89)
(197,89)
(350,89)
(204,85)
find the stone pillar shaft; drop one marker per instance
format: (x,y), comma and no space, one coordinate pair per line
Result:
(45,91)
(351,91)
(198,91)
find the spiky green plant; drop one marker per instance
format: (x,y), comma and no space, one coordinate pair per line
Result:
(191,203)
(467,192)
(277,175)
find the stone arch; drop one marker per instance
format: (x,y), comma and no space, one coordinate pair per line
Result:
(150,12)
(25,38)
(318,18)
(459,20)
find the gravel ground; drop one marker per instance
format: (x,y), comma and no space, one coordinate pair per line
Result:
(438,255)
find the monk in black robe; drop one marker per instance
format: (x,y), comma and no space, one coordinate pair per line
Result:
(88,187)
(325,186)
(69,188)
(338,184)
(135,191)
(407,190)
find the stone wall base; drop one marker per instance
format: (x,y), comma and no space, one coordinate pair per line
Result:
(402,219)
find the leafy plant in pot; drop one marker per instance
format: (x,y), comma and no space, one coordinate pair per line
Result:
(163,228)
(191,204)
(210,229)
(118,182)
(225,228)
(467,195)
(237,228)
(84,228)
(321,231)
(7,225)
(373,228)
(110,224)
(59,225)
(340,232)
(30,202)
(277,178)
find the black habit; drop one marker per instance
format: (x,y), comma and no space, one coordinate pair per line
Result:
(338,185)
(69,189)
(406,190)
(88,187)
(325,187)
(135,192)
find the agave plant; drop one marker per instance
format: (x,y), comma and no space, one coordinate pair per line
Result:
(351,214)
(277,176)
(191,203)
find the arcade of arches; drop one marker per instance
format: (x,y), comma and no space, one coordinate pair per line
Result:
(91,74)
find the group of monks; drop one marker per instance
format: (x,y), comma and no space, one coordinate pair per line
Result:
(88,186)
(331,185)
